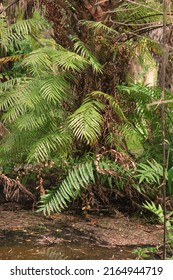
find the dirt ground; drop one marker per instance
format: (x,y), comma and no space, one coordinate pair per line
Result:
(103,230)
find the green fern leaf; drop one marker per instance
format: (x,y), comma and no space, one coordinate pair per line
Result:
(80,48)
(111,101)
(55,200)
(86,122)
(98,26)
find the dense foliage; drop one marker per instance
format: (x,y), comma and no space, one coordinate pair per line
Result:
(71,103)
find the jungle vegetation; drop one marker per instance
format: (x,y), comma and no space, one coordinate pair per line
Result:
(75,122)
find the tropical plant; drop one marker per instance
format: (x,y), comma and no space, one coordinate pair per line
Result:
(64,100)
(71,187)
(81,176)
(151,173)
(159,213)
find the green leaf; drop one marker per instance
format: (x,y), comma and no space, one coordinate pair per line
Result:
(69,189)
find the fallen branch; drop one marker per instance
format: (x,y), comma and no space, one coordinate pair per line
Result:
(12,188)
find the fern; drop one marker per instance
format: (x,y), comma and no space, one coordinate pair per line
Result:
(98,26)
(49,144)
(11,37)
(77,179)
(151,172)
(86,122)
(157,211)
(80,48)
(114,104)
(22,28)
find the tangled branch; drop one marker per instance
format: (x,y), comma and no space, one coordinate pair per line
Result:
(12,188)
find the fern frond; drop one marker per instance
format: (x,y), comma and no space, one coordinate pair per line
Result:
(76,180)
(80,48)
(114,104)
(98,26)
(86,122)
(38,62)
(48,144)
(153,208)
(22,28)
(69,61)
(54,88)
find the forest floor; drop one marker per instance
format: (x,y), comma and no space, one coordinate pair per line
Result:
(106,230)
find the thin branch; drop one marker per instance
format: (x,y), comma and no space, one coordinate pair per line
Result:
(159,102)
(163,70)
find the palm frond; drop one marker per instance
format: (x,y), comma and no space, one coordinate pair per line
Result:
(52,142)
(31,121)
(114,104)
(86,122)
(98,26)
(38,62)
(69,61)
(21,28)
(80,48)
(77,179)
(158,211)
(150,172)
(11,83)
(54,88)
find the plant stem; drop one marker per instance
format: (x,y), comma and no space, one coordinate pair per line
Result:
(163,123)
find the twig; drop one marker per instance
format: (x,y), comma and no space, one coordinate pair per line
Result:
(159,102)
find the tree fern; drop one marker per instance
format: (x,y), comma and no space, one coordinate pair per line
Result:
(77,179)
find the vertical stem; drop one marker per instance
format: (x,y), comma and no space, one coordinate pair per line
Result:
(163,124)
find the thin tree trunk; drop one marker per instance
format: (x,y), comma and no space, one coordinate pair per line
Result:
(163,123)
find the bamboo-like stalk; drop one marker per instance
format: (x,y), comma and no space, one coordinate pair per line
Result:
(163,124)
